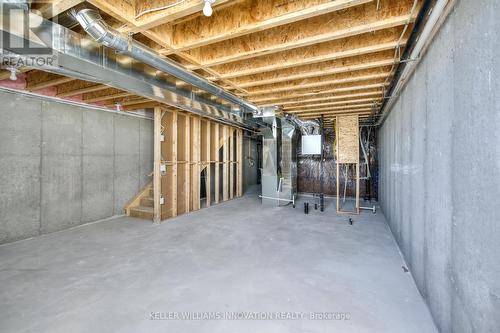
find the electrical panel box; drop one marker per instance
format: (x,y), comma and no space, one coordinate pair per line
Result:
(311,145)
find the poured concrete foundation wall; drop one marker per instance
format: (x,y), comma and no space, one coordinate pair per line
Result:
(440,171)
(63,165)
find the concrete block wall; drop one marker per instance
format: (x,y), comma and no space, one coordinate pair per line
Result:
(63,165)
(439,154)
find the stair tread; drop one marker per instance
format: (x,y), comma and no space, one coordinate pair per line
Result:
(147,202)
(143,209)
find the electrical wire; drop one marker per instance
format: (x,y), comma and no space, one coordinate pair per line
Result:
(147,11)
(368,132)
(397,50)
(345,172)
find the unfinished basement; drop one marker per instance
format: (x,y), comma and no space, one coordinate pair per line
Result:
(249,166)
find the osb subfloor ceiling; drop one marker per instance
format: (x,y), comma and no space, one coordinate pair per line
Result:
(311,57)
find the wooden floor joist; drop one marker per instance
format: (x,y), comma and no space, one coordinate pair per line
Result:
(170,14)
(333,90)
(364,44)
(313,110)
(106,97)
(85,90)
(239,20)
(332,115)
(323,82)
(352,22)
(327,98)
(51,8)
(38,80)
(139,106)
(302,55)
(344,102)
(332,111)
(323,70)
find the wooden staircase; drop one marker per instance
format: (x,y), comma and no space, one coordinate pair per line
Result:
(191,146)
(142,205)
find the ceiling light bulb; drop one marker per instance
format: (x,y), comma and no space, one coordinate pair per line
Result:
(207,9)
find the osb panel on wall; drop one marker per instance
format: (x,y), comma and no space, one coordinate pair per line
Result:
(348,139)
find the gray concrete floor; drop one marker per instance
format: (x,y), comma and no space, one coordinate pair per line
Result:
(234,257)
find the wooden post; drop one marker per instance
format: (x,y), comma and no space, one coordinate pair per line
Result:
(156,165)
(240,162)
(225,164)
(208,165)
(217,165)
(187,165)
(195,168)
(174,164)
(357,188)
(338,192)
(231,163)
(347,143)
(337,164)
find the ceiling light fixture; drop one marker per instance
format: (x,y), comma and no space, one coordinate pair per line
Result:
(13,72)
(207,8)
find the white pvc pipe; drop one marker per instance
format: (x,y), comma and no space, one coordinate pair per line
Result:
(373,209)
(277,199)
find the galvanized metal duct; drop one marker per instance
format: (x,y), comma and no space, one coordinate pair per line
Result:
(279,162)
(80,57)
(94,25)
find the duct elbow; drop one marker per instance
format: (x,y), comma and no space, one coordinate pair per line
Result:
(95,27)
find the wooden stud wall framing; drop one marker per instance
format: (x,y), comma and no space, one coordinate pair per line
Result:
(225,163)
(156,166)
(337,57)
(239,159)
(231,163)
(191,148)
(206,154)
(169,159)
(215,157)
(195,162)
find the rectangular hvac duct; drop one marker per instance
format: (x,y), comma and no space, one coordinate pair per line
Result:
(279,163)
(80,57)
